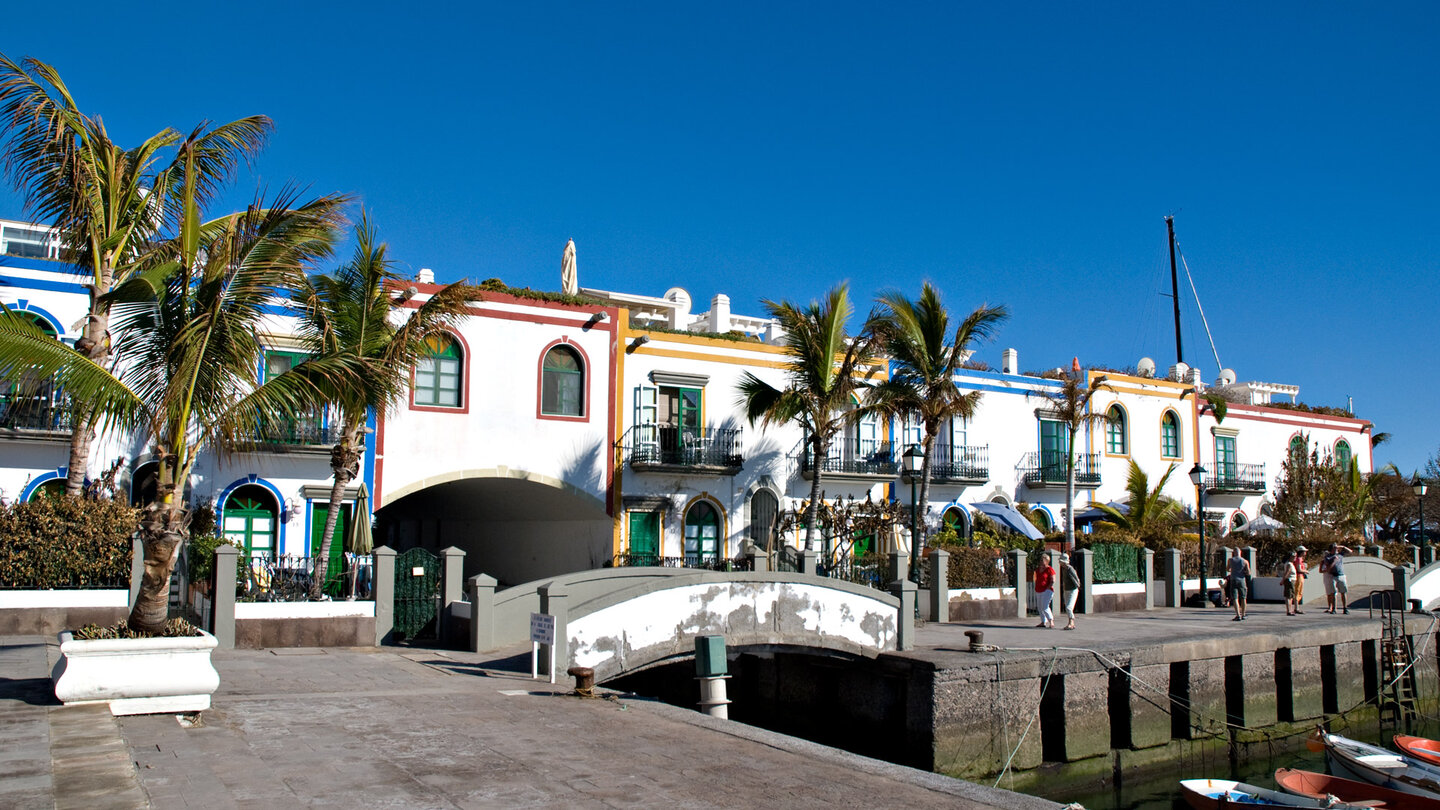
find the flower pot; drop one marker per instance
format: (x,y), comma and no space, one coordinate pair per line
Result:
(137,675)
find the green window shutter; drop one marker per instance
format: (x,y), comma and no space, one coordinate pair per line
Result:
(1170,436)
(336,564)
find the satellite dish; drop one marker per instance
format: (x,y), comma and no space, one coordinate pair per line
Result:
(1146,367)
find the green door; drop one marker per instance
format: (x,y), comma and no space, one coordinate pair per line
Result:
(251,526)
(336,566)
(1225,467)
(644,538)
(1052,450)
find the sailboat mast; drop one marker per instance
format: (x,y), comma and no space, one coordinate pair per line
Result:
(1175,290)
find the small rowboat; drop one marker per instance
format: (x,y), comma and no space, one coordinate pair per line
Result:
(1319,786)
(1218,794)
(1419,748)
(1367,763)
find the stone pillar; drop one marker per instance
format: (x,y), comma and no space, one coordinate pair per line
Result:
(554,602)
(1173,595)
(1203,692)
(1021,583)
(1084,562)
(384,589)
(452,585)
(1147,710)
(810,563)
(222,610)
(939,585)
(137,571)
(1400,574)
(1378,552)
(906,591)
(899,565)
(1250,557)
(481,589)
(1427,554)
(1298,684)
(759,560)
(1250,689)
(1085,730)
(1147,575)
(1415,557)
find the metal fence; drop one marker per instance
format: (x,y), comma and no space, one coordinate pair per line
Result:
(288,578)
(872,570)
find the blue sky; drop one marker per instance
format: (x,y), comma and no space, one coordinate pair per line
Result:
(1023,154)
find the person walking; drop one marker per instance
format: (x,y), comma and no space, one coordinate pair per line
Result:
(1288,575)
(1070,587)
(1045,590)
(1333,567)
(1302,570)
(1239,573)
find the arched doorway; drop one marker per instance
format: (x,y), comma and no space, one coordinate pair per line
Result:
(764,511)
(702,534)
(250,520)
(956,520)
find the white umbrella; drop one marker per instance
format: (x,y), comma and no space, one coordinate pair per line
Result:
(569,280)
(1262,523)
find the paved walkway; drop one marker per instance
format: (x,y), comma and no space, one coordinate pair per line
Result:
(420,729)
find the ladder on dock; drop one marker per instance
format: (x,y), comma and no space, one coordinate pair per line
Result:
(1398,688)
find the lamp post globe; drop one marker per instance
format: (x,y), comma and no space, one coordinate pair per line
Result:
(1417,485)
(1197,475)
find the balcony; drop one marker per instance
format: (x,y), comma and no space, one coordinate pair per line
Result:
(300,434)
(1042,470)
(864,460)
(1239,479)
(42,416)
(668,448)
(951,464)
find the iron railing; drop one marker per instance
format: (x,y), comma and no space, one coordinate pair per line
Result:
(262,578)
(869,569)
(1236,478)
(852,458)
(40,412)
(959,463)
(700,563)
(299,431)
(1047,469)
(672,446)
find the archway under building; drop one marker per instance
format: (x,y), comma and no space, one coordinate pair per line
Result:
(512,525)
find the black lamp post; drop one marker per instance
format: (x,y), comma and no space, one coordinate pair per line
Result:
(912,460)
(1417,485)
(1197,474)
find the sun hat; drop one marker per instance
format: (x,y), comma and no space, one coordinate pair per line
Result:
(1064,558)
(1301,548)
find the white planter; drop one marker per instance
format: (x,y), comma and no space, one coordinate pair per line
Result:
(137,675)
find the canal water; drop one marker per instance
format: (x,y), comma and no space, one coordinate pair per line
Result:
(1162,791)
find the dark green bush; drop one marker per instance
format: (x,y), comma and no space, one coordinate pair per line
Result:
(66,543)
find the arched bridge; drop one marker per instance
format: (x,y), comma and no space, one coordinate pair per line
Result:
(622,620)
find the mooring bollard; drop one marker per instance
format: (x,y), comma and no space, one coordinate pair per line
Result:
(712,673)
(584,680)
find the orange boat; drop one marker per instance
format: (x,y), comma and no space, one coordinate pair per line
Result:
(1419,747)
(1319,786)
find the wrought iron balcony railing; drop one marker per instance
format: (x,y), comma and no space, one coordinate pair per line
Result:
(299,431)
(1248,478)
(959,463)
(869,458)
(1047,469)
(669,446)
(42,414)
(708,562)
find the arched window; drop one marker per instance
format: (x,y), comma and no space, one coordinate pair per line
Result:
(438,376)
(250,520)
(1238,521)
(54,488)
(29,401)
(1343,455)
(1297,447)
(702,534)
(764,509)
(1170,435)
(145,484)
(562,383)
(956,520)
(1115,440)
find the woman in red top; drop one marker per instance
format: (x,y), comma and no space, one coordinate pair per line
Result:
(1045,590)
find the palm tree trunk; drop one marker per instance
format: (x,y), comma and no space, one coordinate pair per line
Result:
(163,528)
(812,511)
(82,433)
(918,519)
(1070,493)
(345,464)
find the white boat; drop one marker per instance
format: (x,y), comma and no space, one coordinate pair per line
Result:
(1368,763)
(1217,794)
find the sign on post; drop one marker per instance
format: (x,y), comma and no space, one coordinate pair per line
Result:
(542,631)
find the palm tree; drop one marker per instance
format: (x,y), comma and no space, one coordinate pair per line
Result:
(926,355)
(110,203)
(362,356)
(1071,407)
(824,371)
(187,328)
(1148,512)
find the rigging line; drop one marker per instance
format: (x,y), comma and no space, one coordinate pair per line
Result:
(1199,306)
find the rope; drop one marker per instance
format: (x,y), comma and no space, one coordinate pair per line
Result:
(1028,725)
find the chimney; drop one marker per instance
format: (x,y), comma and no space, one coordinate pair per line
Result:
(1010,361)
(425,276)
(720,313)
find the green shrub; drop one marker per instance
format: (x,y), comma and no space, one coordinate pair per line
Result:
(66,543)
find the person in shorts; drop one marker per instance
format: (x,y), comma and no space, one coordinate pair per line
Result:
(1333,567)
(1238,569)
(1288,575)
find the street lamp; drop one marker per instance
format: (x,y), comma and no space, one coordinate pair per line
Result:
(913,460)
(1197,474)
(1417,485)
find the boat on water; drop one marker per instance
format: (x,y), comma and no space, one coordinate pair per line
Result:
(1420,748)
(1367,763)
(1217,794)
(1319,786)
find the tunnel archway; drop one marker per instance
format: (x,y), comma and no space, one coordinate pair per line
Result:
(513,525)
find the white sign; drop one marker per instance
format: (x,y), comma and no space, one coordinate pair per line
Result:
(542,628)
(417,571)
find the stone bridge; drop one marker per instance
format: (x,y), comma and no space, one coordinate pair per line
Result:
(621,620)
